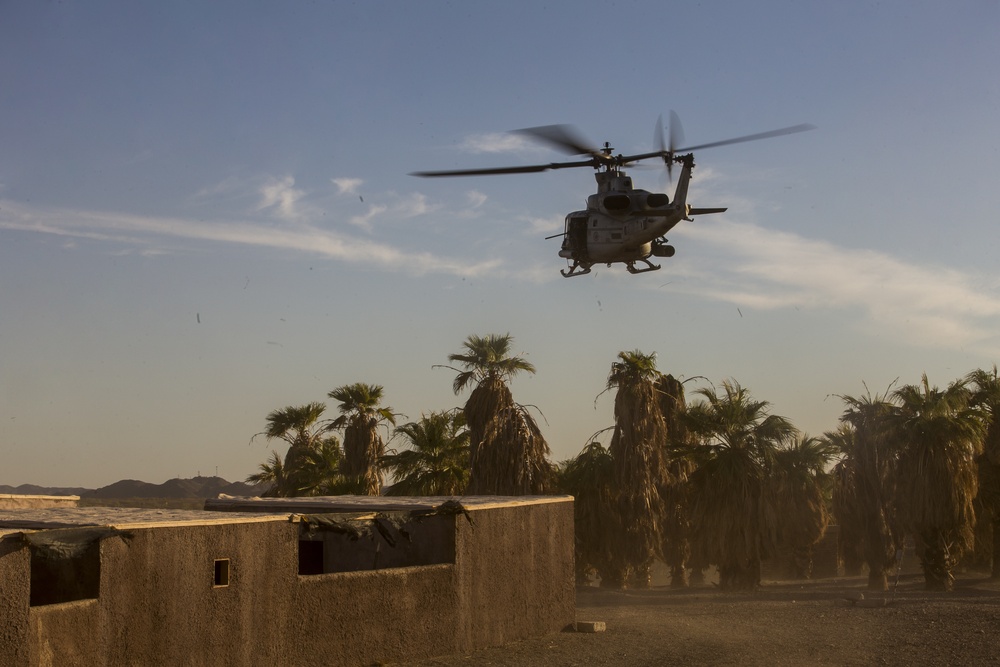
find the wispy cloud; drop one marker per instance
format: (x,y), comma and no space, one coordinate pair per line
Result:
(399,208)
(281,196)
(224,187)
(549,225)
(495,142)
(475,198)
(347,186)
(473,207)
(919,304)
(146,233)
(364,221)
(412,205)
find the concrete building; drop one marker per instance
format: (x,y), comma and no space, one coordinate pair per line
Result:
(337,581)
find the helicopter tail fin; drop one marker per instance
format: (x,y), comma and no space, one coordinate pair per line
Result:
(705,211)
(680,192)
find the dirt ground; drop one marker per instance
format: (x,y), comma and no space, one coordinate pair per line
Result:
(785,623)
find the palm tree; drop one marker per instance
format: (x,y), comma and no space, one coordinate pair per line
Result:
(321,470)
(271,476)
(589,478)
(637,449)
(845,501)
(675,486)
(987,507)
(317,473)
(799,479)
(986,394)
(940,433)
(304,431)
(870,466)
(508,453)
(361,416)
(436,462)
(732,512)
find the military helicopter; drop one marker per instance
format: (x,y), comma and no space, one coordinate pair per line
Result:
(621,223)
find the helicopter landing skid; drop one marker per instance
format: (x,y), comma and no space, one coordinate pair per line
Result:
(630,267)
(584,269)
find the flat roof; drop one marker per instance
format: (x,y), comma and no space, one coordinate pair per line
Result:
(229,509)
(319,504)
(48,518)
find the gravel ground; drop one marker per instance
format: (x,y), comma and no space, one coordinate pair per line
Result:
(785,623)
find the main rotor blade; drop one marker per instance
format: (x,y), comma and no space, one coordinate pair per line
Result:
(490,171)
(565,138)
(805,127)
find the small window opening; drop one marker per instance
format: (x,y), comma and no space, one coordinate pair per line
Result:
(221,572)
(310,557)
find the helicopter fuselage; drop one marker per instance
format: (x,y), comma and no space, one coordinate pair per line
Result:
(623,224)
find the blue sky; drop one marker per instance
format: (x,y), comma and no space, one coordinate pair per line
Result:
(206,212)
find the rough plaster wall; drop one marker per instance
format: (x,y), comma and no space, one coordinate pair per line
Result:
(15,581)
(63,634)
(515,573)
(365,618)
(157,604)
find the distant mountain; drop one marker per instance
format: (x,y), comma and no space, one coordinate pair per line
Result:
(34,490)
(197,487)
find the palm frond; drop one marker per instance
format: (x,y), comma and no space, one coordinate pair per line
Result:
(436,462)
(488,357)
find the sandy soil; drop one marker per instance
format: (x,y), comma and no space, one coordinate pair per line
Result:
(785,623)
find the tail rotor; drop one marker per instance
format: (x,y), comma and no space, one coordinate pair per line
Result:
(676,134)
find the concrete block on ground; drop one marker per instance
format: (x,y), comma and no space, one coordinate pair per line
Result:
(591,626)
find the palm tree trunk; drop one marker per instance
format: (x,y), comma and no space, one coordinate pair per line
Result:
(878,552)
(853,561)
(995,573)
(613,577)
(802,561)
(740,576)
(641,576)
(936,561)
(878,580)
